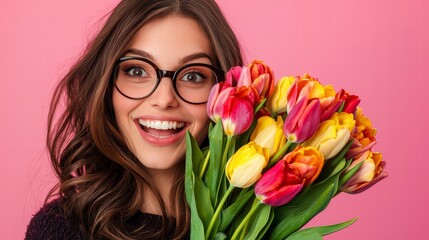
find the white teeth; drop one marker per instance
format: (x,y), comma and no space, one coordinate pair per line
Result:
(161,125)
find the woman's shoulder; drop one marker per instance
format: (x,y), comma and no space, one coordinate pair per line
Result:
(50,222)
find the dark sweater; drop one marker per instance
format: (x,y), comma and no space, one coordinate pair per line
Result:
(50,223)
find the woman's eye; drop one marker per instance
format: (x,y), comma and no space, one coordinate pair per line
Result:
(136,72)
(193,77)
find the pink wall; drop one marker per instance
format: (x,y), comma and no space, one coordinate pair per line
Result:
(375,49)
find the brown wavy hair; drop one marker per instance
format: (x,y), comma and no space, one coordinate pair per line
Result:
(101,182)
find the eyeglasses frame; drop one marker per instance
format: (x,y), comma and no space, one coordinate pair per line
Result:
(220,75)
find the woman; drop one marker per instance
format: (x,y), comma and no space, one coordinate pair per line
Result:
(118,145)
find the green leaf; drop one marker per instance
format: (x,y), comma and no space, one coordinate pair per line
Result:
(349,174)
(232,211)
(197,227)
(214,172)
(341,107)
(197,195)
(263,231)
(292,216)
(202,198)
(258,221)
(315,233)
(260,105)
(193,156)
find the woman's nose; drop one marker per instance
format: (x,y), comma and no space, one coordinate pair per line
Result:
(164,95)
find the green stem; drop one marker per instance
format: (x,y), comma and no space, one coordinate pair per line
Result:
(225,152)
(255,206)
(279,154)
(243,233)
(218,209)
(206,162)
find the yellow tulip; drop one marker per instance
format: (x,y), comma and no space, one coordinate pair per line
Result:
(332,134)
(277,102)
(268,133)
(244,168)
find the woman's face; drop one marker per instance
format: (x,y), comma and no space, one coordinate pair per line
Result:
(170,43)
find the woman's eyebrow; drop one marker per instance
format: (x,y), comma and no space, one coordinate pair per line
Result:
(140,53)
(195,56)
(182,60)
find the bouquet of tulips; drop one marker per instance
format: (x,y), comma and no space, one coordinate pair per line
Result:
(279,151)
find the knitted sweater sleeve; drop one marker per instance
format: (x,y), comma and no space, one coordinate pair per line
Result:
(50,223)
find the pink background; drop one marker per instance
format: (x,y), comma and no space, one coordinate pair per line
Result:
(375,49)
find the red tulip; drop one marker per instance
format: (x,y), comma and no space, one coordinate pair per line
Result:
(279,185)
(350,101)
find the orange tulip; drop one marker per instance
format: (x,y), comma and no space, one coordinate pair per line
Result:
(363,136)
(281,183)
(262,78)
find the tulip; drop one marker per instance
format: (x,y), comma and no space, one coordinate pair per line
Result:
(244,168)
(363,135)
(234,106)
(277,102)
(307,161)
(350,101)
(268,133)
(303,120)
(332,134)
(238,76)
(309,87)
(281,183)
(219,93)
(370,172)
(262,78)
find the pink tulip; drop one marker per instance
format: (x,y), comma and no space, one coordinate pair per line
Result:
(370,172)
(234,106)
(219,93)
(238,76)
(302,122)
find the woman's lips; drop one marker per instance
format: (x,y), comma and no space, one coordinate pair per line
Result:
(161,132)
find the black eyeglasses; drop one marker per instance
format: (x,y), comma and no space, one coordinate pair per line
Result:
(137,78)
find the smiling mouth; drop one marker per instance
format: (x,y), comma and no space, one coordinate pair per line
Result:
(161,129)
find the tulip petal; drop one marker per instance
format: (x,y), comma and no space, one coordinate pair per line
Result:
(238,116)
(331,147)
(303,123)
(248,172)
(271,178)
(282,195)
